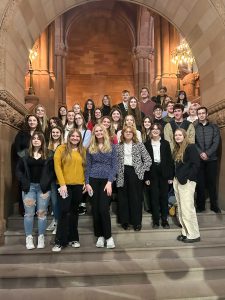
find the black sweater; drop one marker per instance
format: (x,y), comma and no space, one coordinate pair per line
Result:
(188,169)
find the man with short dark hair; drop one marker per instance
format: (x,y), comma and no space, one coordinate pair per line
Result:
(176,123)
(157,113)
(207,141)
(146,104)
(123,106)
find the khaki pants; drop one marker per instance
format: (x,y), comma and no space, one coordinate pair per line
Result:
(186,210)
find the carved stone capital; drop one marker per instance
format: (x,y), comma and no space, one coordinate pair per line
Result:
(143,52)
(11,111)
(217,113)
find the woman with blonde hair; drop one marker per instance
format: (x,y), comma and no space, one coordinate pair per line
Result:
(187,163)
(133,162)
(100,173)
(69,161)
(40,112)
(35,172)
(130,121)
(106,121)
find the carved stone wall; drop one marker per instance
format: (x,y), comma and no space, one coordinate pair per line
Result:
(11,117)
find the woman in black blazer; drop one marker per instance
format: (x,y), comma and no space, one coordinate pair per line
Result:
(160,175)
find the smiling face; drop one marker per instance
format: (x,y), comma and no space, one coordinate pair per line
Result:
(178,114)
(70,116)
(32,122)
(56,134)
(155,132)
(129,121)
(192,111)
(99,133)
(202,115)
(36,142)
(40,112)
(170,108)
(74,139)
(105,101)
(52,123)
(106,123)
(162,92)
(76,108)
(147,123)
(157,113)
(144,93)
(178,136)
(89,105)
(128,135)
(79,120)
(133,103)
(116,116)
(98,114)
(62,111)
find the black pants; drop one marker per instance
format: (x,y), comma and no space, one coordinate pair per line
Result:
(100,208)
(207,179)
(159,196)
(68,216)
(130,198)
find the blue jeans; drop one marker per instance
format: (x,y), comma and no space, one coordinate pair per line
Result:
(35,198)
(55,200)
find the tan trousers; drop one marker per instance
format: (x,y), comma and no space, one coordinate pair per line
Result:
(186,210)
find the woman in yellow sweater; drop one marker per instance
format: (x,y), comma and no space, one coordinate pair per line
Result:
(69,161)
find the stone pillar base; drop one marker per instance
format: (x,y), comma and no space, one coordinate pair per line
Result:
(31,99)
(2,230)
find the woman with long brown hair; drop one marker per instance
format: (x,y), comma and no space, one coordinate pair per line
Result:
(69,161)
(35,172)
(187,163)
(133,109)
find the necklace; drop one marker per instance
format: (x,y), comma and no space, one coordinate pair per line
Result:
(179,125)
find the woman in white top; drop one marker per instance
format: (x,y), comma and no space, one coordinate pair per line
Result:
(130,121)
(133,161)
(193,113)
(81,126)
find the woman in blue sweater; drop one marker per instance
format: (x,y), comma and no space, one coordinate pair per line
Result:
(101,171)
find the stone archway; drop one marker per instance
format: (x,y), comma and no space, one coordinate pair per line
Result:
(201,22)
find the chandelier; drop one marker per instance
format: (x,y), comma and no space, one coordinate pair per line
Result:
(182,54)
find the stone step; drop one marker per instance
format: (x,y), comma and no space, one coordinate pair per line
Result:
(122,237)
(208,217)
(171,249)
(130,271)
(195,290)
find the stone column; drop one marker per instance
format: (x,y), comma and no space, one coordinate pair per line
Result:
(11,117)
(142,58)
(60,54)
(157,45)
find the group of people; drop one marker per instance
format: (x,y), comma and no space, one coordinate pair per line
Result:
(130,149)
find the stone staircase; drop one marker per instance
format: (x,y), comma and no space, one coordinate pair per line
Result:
(150,264)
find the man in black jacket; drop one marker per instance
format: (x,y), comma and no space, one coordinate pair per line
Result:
(123,106)
(207,137)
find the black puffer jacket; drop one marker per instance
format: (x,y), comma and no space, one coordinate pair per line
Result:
(207,138)
(47,176)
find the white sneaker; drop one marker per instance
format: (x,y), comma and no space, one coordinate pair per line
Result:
(41,241)
(110,243)
(57,248)
(52,225)
(75,244)
(29,242)
(54,231)
(100,242)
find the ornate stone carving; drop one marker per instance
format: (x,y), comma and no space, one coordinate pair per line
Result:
(143,52)
(217,113)
(219,5)
(4,25)
(11,111)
